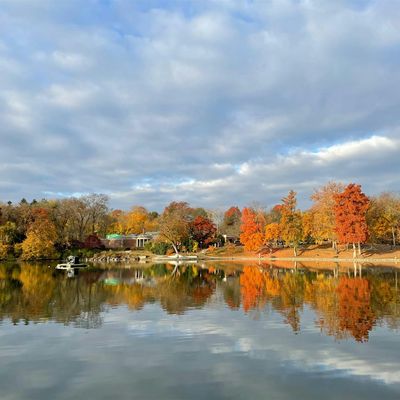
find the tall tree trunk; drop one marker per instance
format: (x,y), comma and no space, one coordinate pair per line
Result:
(295,251)
(335,246)
(354,251)
(359,249)
(394,236)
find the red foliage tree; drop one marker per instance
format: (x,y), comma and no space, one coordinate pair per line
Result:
(203,231)
(350,216)
(231,214)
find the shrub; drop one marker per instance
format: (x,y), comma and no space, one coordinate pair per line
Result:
(161,248)
(4,251)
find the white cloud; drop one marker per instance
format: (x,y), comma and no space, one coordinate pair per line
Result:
(358,149)
(70,60)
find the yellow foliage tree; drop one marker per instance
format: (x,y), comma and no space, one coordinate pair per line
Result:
(40,239)
(308,224)
(323,223)
(272,232)
(384,218)
(136,221)
(291,222)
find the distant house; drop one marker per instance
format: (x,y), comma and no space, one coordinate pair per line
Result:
(231,239)
(133,241)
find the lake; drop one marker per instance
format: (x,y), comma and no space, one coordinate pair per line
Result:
(212,331)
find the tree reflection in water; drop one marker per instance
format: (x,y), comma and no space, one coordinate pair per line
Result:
(344,306)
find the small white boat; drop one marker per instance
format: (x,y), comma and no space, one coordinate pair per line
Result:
(71,262)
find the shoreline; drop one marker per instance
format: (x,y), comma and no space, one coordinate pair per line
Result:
(117,258)
(308,259)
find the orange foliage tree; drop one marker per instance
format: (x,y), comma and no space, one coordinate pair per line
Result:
(137,220)
(252,235)
(350,215)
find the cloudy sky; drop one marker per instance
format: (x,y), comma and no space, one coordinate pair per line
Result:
(212,102)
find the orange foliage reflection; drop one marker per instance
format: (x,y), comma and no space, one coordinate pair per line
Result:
(355,313)
(343,305)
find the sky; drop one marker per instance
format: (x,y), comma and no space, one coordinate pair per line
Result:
(216,103)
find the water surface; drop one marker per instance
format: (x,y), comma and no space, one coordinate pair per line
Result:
(214,331)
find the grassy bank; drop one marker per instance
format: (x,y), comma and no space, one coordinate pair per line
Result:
(370,253)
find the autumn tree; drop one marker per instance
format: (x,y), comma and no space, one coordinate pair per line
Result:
(118,221)
(97,209)
(8,233)
(174,223)
(274,215)
(272,233)
(63,215)
(8,236)
(383,217)
(307,222)
(136,220)
(203,231)
(252,229)
(291,222)
(351,207)
(40,239)
(323,212)
(232,221)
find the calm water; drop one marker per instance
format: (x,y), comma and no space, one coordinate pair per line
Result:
(187,332)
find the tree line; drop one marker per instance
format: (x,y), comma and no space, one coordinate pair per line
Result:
(339,215)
